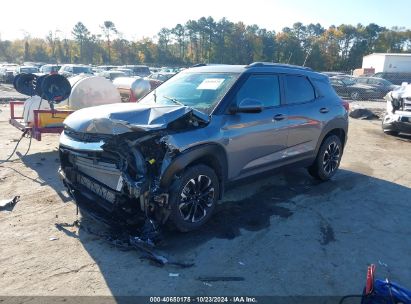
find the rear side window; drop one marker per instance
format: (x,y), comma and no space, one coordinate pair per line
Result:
(264,88)
(298,89)
(324,88)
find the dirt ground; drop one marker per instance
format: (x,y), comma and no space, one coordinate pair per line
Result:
(283,233)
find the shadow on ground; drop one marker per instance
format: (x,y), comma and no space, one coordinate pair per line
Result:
(276,208)
(275,198)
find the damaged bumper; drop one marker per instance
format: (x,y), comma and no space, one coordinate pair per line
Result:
(114,164)
(400,121)
(105,184)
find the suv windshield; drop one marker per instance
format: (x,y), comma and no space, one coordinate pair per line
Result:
(201,91)
(79,70)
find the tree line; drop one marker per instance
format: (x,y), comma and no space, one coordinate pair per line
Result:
(208,41)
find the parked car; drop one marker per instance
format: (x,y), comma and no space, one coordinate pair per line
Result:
(107,67)
(36,64)
(69,70)
(162,76)
(334,74)
(395,78)
(111,74)
(6,73)
(170,155)
(356,91)
(397,118)
(138,70)
(381,83)
(154,70)
(127,72)
(50,69)
(169,70)
(25,69)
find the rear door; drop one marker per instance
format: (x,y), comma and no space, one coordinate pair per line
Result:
(306,113)
(256,140)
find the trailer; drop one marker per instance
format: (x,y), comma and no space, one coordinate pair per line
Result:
(45,121)
(388,62)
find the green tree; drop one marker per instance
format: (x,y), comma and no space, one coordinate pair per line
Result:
(109,29)
(81,36)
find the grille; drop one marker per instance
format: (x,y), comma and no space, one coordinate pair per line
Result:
(103,172)
(86,137)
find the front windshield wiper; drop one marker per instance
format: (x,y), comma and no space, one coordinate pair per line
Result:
(174,100)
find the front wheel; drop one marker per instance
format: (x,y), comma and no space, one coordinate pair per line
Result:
(194,197)
(355,95)
(328,158)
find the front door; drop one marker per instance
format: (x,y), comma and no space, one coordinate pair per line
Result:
(256,140)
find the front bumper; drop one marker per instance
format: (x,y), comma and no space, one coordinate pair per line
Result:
(397,122)
(97,184)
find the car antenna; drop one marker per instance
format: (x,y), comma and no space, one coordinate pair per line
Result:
(155,96)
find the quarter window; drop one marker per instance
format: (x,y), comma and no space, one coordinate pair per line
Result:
(298,89)
(264,88)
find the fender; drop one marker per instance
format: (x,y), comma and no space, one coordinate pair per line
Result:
(214,151)
(338,123)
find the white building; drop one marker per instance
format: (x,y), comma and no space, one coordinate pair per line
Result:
(387,62)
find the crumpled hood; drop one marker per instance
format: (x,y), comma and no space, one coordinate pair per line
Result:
(120,118)
(399,92)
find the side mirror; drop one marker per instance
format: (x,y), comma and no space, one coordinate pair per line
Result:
(248,105)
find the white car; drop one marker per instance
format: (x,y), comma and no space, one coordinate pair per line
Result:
(397,119)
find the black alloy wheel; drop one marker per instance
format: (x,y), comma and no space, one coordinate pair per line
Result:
(194,201)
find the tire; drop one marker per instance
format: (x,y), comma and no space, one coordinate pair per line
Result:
(390,132)
(355,95)
(196,192)
(328,158)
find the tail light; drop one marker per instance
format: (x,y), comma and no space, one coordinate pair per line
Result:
(369,284)
(345,104)
(133,97)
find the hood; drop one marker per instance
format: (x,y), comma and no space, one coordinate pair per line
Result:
(120,118)
(399,92)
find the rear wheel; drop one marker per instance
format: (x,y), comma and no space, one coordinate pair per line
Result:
(355,95)
(194,198)
(328,158)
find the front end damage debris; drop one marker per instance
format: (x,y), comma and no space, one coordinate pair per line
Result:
(124,175)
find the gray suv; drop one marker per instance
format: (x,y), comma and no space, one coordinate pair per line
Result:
(171,155)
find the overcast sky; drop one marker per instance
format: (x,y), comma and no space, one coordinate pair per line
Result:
(138,18)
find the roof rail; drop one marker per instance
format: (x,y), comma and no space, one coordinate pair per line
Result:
(279,65)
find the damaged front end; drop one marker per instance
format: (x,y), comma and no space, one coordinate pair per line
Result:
(398,116)
(113,166)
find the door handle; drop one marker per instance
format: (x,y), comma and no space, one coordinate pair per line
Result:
(324,110)
(279,117)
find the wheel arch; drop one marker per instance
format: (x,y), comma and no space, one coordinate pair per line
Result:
(212,155)
(338,127)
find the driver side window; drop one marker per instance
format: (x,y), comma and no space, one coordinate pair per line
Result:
(264,88)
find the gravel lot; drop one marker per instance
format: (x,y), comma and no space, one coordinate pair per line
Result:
(284,233)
